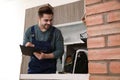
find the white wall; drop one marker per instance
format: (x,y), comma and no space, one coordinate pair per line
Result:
(12,15)
(32,3)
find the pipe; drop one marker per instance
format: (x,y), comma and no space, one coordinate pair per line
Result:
(77,51)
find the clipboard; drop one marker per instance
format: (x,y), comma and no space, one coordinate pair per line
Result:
(28,51)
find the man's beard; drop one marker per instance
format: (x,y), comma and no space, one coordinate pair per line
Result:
(46,26)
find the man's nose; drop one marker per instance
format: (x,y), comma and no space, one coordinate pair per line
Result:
(49,22)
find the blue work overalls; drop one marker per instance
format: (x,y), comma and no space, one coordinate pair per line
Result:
(43,66)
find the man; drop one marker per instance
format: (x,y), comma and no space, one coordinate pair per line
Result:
(44,36)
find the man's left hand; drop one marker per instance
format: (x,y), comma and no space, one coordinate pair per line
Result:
(39,55)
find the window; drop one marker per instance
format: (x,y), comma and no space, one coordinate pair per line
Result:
(68,18)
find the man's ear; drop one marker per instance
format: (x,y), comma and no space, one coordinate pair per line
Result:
(38,18)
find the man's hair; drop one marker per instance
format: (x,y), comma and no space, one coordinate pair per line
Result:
(47,9)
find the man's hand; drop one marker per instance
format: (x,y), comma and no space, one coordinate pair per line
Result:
(39,55)
(29,44)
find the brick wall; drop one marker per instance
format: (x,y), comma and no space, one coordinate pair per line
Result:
(103,28)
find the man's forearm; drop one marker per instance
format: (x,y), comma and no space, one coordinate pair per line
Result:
(49,56)
(42,55)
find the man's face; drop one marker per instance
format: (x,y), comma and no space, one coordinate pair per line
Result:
(45,21)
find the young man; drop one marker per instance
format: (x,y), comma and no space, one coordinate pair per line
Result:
(48,42)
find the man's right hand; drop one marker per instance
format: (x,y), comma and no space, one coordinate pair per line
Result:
(37,55)
(29,44)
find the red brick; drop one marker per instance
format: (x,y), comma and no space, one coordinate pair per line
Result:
(114,40)
(97,67)
(96,42)
(113,16)
(104,77)
(93,20)
(104,29)
(91,1)
(115,67)
(104,54)
(103,7)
